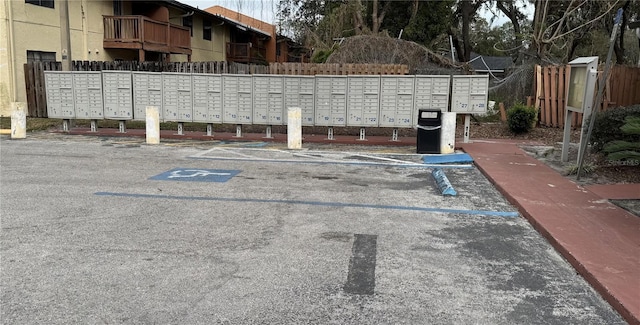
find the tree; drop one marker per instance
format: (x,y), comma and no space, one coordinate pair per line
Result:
(629,7)
(466,12)
(296,18)
(555,21)
(319,22)
(428,20)
(513,11)
(491,41)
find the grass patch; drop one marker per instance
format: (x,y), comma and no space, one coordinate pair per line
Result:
(43,124)
(587,169)
(491,117)
(33,124)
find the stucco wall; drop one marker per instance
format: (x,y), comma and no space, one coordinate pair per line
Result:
(6,73)
(202,50)
(270,44)
(37,28)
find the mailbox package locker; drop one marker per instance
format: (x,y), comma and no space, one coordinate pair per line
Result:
(268,100)
(87,93)
(331,101)
(363,100)
(59,88)
(147,91)
(237,101)
(469,94)
(207,98)
(432,92)
(396,101)
(118,102)
(299,92)
(177,97)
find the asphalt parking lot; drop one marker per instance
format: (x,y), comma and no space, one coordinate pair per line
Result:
(100,230)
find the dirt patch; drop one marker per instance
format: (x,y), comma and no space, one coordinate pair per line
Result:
(546,146)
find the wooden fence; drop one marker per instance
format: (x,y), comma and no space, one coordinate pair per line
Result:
(34,82)
(337,69)
(551,84)
(36,95)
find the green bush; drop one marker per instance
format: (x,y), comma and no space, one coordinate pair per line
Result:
(321,56)
(521,118)
(606,127)
(625,150)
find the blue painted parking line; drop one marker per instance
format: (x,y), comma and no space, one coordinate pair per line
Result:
(196,175)
(507,214)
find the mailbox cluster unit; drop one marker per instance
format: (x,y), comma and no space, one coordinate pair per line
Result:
(469,94)
(60,94)
(147,91)
(354,100)
(207,98)
(299,92)
(118,102)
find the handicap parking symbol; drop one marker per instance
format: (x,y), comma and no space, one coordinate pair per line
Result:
(196,175)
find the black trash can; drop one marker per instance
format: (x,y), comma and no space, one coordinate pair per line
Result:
(429,126)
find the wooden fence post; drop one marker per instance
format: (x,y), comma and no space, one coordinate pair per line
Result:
(503,112)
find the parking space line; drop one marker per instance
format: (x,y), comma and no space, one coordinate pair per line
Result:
(324,162)
(318,157)
(361,278)
(506,214)
(234,153)
(386,159)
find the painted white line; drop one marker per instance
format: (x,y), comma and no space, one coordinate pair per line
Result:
(235,153)
(202,153)
(300,161)
(387,159)
(323,159)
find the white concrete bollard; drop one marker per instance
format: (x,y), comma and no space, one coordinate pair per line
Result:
(448,133)
(294,128)
(153,125)
(18,120)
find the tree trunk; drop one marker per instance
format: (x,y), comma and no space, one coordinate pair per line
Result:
(538,28)
(357,17)
(456,46)
(511,11)
(467,11)
(374,18)
(414,9)
(619,47)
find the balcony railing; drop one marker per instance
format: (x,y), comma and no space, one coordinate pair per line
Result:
(140,32)
(246,53)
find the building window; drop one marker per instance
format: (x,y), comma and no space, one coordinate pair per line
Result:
(206,30)
(43,3)
(188,22)
(40,56)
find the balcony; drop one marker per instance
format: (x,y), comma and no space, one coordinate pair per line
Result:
(246,53)
(142,33)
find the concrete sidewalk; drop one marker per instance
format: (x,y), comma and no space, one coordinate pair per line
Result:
(600,240)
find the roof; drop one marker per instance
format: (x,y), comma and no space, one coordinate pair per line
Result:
(584,60)
(240,25)
(230,21)
(485,63)
(242,21)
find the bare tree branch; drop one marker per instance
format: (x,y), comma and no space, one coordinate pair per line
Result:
(582,25)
